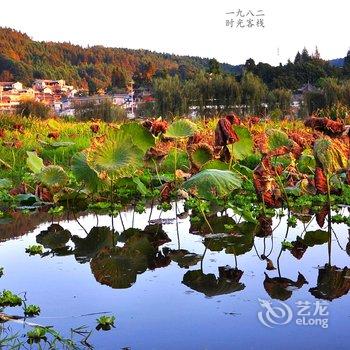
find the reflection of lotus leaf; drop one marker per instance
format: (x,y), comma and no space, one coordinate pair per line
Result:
(97,238)
(128,233)
(219,224)
(317,237)
(54,237)
(113,269)
(209,284)
(118,267)
(332,283)
(238,243)
(265,226)
(183,257)
(154,233)
(299,248)
(282,288)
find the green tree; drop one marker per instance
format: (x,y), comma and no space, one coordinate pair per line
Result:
(214,66)
(33,108)
(332,90)
(280,98)
(346,65)
(253,92)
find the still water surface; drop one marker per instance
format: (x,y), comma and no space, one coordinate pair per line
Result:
(172,289)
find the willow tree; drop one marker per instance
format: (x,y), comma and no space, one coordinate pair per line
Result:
(253,92)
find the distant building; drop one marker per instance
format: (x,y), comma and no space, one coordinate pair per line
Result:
(50,92)
(54,86)
(8,85)
(298,95)
(41,84)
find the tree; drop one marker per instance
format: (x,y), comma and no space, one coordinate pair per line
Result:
(317,55)
(280,98)
(214,66)
(249,65)
(305,57)
(119,78)
(314,101)
(297,58)
(33,108)
(332,90)
(253,92)
(169,94)
(346,65)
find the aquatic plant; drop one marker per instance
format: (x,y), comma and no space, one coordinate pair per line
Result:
(34,250)
(32,310)
(105,322)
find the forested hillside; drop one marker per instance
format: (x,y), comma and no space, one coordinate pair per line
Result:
(92,68)
(99,67)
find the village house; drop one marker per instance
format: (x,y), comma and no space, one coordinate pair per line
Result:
(49,92)
(7,86)
(298,95)
(59,96)
(54,86)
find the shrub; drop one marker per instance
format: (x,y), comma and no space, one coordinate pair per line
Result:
(33,108)
(106,111)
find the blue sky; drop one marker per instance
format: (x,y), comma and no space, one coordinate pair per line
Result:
(191,27)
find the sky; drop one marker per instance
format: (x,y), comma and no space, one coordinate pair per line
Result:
(191,27)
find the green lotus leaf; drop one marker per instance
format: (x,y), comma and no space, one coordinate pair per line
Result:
(215,164)
(201,155)
(180,129)
(140,136)
(5,183)
(211,183)
(62,144)
(244,146)
(84,173)
(53,176)
(331,157)
(119,157)
(182,161)
(34,162)
(278,138)
(306,163)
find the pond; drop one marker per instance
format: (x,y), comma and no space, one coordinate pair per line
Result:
(170,287)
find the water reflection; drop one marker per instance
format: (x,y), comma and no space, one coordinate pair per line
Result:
(332,283)
(88,247)
(118,258)
(282,288)
(118,267)
(210,285)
